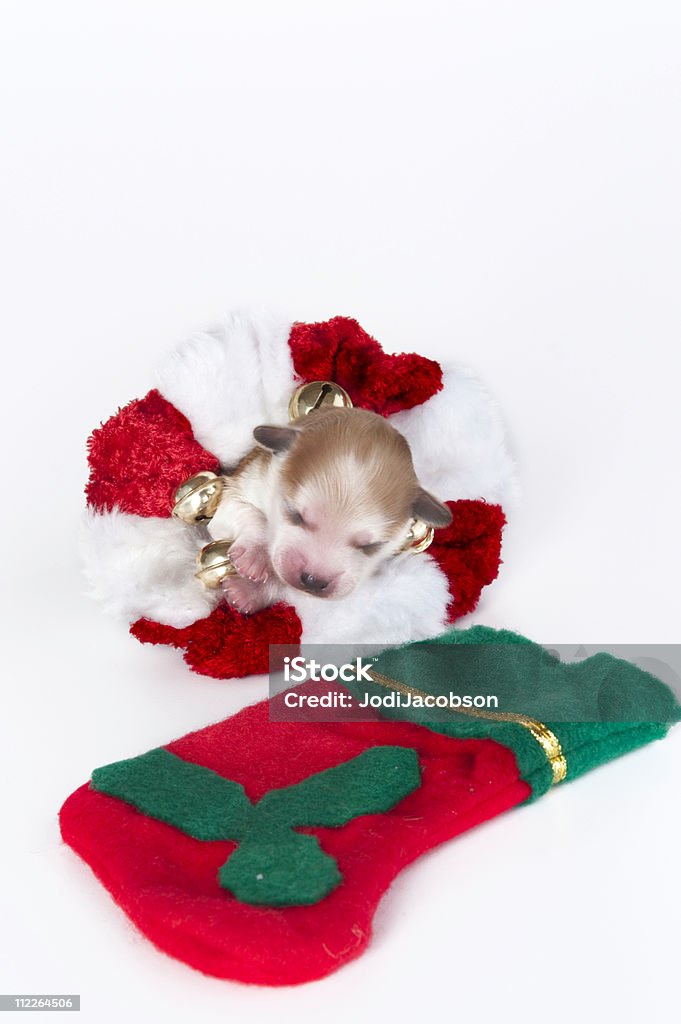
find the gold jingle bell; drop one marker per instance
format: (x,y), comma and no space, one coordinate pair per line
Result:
(317,394)
(198,497)
(419,538)
(214,563)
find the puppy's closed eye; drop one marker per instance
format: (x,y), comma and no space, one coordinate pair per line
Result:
(294,516)
(372,548)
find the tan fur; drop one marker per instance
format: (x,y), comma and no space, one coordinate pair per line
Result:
(257,458)
(337,448)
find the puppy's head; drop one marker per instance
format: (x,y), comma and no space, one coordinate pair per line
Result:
(345,495)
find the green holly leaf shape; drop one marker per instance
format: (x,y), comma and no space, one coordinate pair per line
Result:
(273,865)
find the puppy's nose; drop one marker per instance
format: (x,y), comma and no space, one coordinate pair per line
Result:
(314,584)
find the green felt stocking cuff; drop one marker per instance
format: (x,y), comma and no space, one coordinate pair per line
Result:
(569,717)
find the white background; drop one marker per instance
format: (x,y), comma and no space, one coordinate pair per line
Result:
(498,181)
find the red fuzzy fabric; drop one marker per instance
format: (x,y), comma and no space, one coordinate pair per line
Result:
(167,882)
(226,644)
(140,456)
(469,552)
(342,351)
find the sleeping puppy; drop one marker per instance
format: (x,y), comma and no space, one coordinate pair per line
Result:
(318,506)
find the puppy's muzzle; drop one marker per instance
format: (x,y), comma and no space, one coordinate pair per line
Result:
(313,584)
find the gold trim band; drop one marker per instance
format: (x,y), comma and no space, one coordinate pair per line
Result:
(544,736)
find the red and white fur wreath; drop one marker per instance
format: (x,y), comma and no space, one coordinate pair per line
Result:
(210,395)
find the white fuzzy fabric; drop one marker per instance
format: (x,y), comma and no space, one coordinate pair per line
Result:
(458,444)
(142,566)
(406,600)
(228,380)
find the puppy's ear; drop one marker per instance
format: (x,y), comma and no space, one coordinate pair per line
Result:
(430,510)
(275,439)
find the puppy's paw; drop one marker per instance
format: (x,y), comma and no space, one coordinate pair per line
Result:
(244,595)
(251,561)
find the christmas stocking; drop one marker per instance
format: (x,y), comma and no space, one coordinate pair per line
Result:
(258,849)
